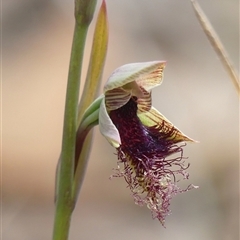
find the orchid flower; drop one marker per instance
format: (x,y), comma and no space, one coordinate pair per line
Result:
(143,137)
(146,142)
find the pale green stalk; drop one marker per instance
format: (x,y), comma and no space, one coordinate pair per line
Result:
(84,10)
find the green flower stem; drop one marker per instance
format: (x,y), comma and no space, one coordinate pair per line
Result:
(84,10)
(83,144)
(87,124)
(64,204)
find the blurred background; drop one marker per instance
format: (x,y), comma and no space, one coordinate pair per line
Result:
(197,96)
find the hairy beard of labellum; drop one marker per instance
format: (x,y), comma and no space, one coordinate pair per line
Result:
(148,169)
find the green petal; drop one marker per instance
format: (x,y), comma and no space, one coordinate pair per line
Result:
(155,118)
(146,74)
(107,128)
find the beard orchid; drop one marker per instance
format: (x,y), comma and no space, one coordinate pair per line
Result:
(149,147)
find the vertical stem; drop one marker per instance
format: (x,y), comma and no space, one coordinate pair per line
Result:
(64,203)
(84,10)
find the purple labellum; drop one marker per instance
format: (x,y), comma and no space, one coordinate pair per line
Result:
(151,160)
